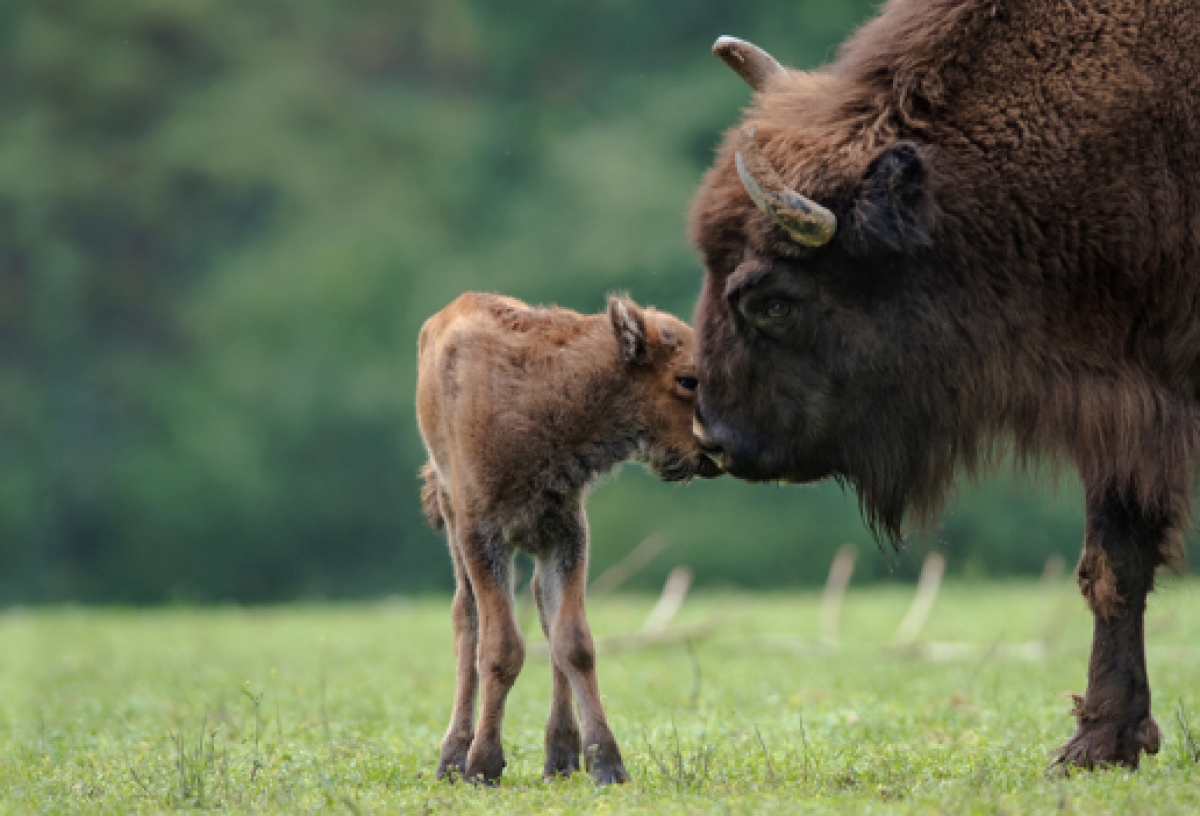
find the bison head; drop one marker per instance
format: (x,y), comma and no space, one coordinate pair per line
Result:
(820,344)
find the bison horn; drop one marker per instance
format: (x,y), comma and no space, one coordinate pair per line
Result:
(749,61)
(806,221)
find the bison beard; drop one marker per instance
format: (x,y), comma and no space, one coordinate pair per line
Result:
(973,233)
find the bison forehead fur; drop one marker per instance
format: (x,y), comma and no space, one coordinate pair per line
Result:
(1017,192)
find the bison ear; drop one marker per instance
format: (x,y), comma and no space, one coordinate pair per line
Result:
(894,209)
(629,326)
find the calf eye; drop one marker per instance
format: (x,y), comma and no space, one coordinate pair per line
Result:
(690,383)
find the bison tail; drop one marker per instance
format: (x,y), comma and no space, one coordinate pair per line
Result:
(429,497)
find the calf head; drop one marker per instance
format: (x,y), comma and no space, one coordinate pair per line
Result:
(657,358)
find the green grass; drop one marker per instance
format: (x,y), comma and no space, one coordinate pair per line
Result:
(341,708)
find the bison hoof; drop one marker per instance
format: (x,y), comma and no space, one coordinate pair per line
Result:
(1098,744)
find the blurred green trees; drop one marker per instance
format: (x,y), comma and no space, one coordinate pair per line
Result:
(222,224)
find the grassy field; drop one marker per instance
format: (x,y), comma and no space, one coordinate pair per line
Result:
(341,708)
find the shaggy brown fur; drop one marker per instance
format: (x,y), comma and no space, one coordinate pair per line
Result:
(1017,189)
(1098,582)
(521,409)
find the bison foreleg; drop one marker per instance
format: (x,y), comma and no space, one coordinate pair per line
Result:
(1124,546)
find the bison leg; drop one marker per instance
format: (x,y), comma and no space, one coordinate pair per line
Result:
(461,731)
(1125,544)
(500,652)
(562,580)
(563,740)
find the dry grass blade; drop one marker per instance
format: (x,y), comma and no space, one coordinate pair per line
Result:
(620,644)
(633,563)
(683,768)
(835,590)
(674,591)
(1190,749)
(927,589)
(766,754)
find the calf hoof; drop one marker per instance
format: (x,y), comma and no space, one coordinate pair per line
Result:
(1099,743)
(612,773)
(485,765)
(563,745)
(453,764)
(560,762)
(606,766)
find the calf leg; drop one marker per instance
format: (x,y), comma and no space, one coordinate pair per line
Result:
(461,731)
(501,649)
(562,578)
(563,741)
(1125,544)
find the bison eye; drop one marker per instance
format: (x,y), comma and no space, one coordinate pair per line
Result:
(777,310)
(688,383)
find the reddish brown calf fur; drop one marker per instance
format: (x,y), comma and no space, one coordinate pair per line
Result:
(1016,188)
(521,409)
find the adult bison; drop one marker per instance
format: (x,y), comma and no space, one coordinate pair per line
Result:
(979,225)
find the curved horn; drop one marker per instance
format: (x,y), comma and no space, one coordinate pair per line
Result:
(749,61)
(808,223)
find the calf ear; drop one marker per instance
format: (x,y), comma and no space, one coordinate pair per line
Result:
(894,209)
(629,326)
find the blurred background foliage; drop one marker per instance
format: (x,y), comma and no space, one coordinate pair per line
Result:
(222,224)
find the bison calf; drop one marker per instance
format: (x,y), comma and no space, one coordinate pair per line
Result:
(521,409)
